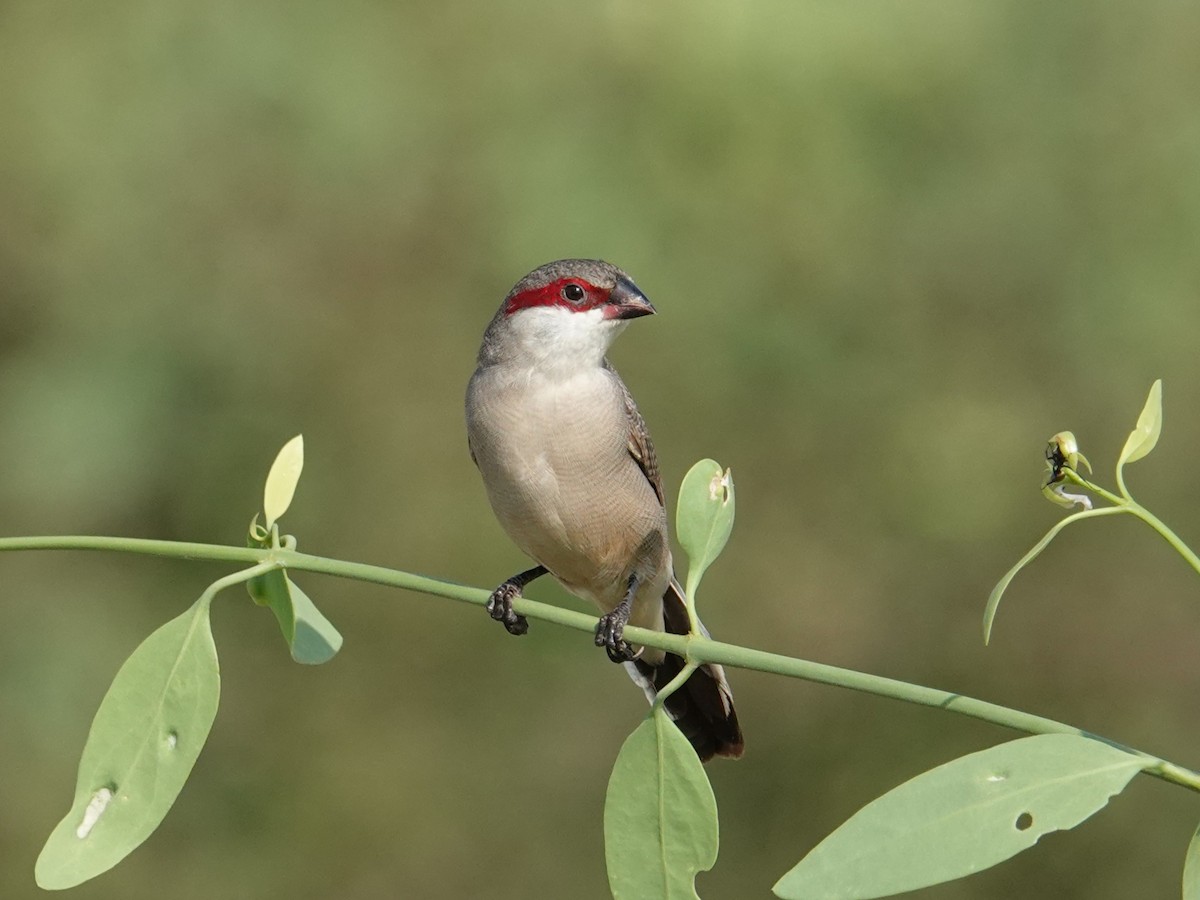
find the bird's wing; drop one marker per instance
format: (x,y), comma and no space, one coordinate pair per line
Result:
(641,448)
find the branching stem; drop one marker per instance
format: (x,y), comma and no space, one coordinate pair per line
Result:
(695,649)
(1127,504)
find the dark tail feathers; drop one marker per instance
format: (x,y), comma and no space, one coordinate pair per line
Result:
(703,707)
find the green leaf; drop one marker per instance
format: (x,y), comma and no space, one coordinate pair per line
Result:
(962,817)
(993,603)
(144,741)
(1191,869)
(311,637)
(282,479)
(704,517)
(660,816)
(314,640)
(1149,425)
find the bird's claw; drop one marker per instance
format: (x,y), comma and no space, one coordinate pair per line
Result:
(609,635)
(499,607)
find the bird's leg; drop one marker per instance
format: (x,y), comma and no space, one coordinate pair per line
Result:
(499,605)
(611,627)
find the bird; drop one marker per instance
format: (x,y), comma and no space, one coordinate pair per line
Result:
(571,475)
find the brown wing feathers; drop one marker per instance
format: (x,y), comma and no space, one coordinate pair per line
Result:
(641,448)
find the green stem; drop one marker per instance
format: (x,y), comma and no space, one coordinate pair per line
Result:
(675,683)
(234,578)
(1075,478)
(694,649)
(170,549)
(1171,537)
(1125,495)
(1128,504)
(705,650)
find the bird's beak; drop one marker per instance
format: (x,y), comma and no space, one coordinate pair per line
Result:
(627,302)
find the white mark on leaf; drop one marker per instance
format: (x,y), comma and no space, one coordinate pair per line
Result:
(718,488)
(172,740)
(95,809)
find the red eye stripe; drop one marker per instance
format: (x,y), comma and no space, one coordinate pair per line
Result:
(551,295)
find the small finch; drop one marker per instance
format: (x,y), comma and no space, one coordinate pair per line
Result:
(571,475)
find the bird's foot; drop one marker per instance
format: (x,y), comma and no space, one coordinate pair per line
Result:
(609,635)
(499,607)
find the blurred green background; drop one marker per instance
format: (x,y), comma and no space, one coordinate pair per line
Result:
(894,247)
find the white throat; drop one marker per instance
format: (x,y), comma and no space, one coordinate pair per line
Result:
(560,342)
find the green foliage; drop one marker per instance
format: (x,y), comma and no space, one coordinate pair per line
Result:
(1064,461)
(144,740)
(311,637)
(704,517)
(660,820)
(1145,434)
(962,817)
(282,479)
(157,713)
(660,815)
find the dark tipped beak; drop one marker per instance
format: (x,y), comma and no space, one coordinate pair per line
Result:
(627,302)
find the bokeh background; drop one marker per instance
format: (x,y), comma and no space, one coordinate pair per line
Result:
(894,247)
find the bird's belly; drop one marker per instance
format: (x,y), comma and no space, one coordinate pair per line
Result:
(585,528)
(577,504)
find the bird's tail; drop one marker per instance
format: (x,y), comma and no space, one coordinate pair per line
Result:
(703,706)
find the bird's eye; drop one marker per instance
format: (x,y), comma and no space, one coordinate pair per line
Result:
(573,293)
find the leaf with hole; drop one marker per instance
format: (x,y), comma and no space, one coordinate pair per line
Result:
(660,815)
(704,517)
(145,738)
(963,816)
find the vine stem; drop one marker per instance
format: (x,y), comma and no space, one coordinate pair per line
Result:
(1075,478)
(1170,536)
(1126,503)
(695,649)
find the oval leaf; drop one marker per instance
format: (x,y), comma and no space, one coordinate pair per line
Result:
(704,517)
(660,815)
(144,741)
(1149,425)
(962,817)
(282,479)
(1191,869)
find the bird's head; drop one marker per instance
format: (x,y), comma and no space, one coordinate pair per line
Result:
(565,314)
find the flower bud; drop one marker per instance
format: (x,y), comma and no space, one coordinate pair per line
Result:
(1062,453)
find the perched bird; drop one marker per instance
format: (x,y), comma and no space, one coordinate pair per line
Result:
(571,475)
